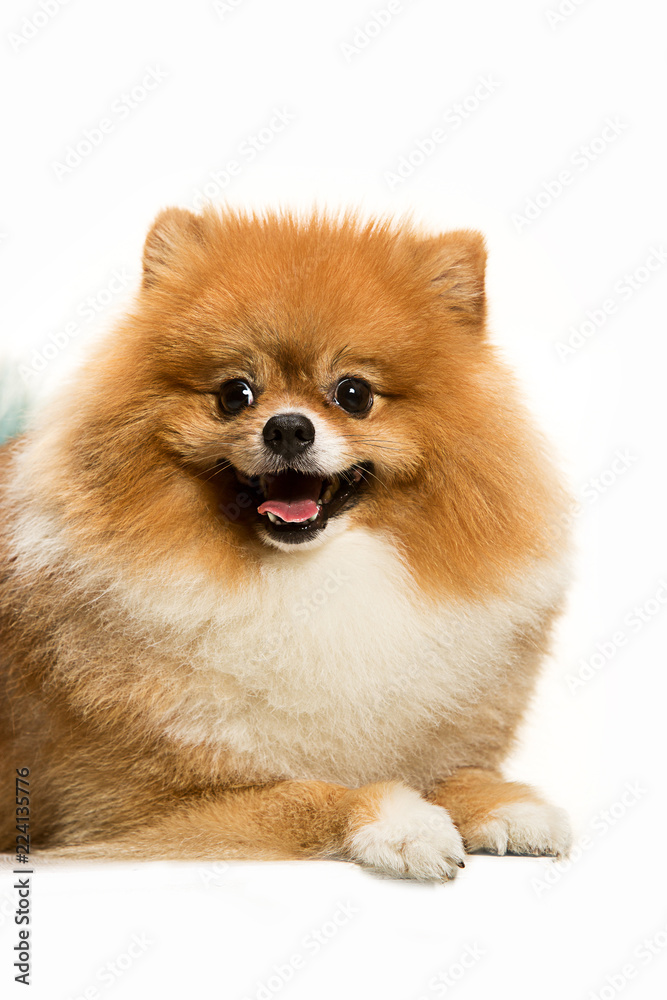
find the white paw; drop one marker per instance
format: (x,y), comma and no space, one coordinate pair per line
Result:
(524,828)
(411,838)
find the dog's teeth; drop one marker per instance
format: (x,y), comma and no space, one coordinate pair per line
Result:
(331,489)
(273,517)
(314,517)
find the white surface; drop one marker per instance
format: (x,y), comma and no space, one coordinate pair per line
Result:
(599,749)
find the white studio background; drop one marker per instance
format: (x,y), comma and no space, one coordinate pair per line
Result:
(541,123)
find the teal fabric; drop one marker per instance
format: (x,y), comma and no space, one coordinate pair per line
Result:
(13,405)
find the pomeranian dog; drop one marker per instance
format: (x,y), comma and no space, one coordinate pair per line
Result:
(279,565)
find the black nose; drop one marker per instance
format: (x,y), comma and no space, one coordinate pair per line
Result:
(288,434)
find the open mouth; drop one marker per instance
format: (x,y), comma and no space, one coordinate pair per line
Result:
(293,506)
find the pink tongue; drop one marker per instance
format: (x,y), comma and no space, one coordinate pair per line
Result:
(292,496)
(295,510)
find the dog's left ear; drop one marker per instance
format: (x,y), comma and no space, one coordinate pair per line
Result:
(455,264)
(173,232)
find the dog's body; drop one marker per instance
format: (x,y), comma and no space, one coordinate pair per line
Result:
(187,677)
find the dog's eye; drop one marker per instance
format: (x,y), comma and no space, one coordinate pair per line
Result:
(235,395)
(353,395)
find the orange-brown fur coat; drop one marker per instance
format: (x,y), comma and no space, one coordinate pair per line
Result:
(168,677)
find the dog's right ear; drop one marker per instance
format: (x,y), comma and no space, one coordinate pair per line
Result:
(174,230)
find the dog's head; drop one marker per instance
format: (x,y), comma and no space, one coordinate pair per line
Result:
(282,379)
(300,360)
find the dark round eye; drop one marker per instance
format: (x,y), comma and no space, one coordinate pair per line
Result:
(353,395)
(235,395)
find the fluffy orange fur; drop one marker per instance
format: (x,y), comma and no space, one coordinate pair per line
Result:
(125,485)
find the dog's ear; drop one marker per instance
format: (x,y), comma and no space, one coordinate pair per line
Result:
(174,231)
(455,264)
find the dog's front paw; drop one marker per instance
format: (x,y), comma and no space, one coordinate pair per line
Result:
(523,828)
(408,837)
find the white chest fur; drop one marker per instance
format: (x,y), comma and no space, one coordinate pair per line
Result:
(330,668)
